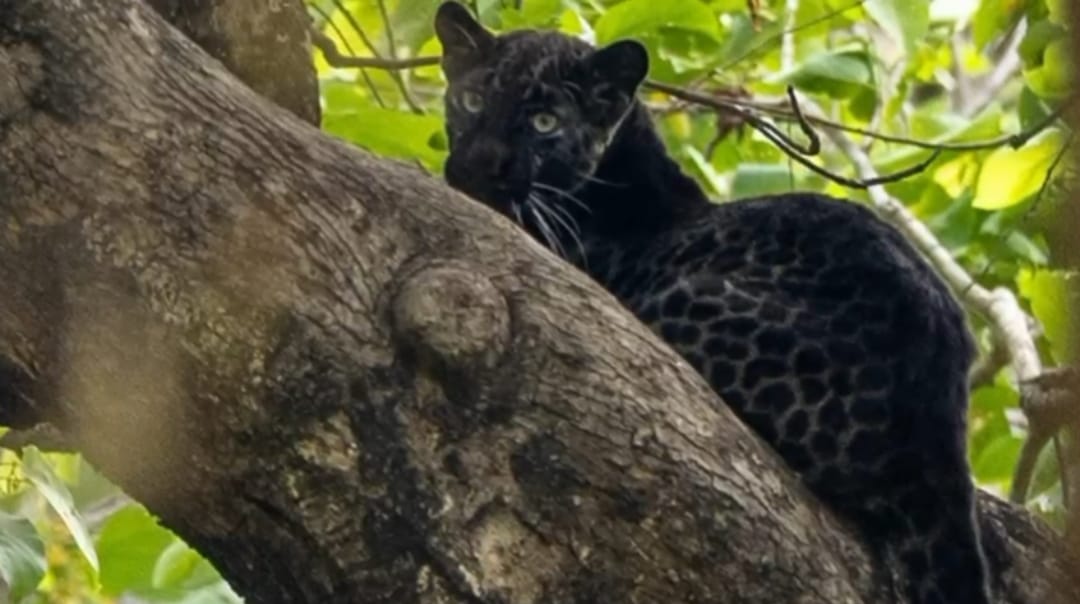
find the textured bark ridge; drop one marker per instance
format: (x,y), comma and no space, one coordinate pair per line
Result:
(343,382)
(264,43)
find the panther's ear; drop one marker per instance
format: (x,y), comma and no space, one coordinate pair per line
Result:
(622,65)
(465,42)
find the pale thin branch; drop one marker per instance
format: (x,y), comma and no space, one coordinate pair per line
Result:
(787,40)
(988,366)
(1007,64)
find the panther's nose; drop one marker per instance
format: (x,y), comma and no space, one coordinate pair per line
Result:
(494,158)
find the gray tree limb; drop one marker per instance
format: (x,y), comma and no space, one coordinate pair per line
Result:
(343,382)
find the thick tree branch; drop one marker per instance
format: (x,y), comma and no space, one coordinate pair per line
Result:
(343,382)
(218,304)
(264,44)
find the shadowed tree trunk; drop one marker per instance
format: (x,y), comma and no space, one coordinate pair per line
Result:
(265,44)
(343,382)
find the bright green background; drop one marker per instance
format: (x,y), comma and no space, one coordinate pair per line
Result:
(894,66)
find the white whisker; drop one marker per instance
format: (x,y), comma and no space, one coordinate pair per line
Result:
(545,230)
(567,216)
(563,194)
(563,218)
(600,181)
(588,177)
(517,214)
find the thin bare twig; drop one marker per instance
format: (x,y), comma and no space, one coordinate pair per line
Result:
(336,59)
(814,147)
(395,75)
(854,183)
(790,112)
(793,149)
(1050,401)
(719,104)
(391,44)
(321,40)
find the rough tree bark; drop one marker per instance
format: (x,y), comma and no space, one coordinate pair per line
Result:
(265,44)
(343,382)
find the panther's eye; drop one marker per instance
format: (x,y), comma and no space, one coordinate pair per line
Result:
(545,123)
(472,101)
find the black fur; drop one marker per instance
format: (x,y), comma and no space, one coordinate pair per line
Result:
(815,321)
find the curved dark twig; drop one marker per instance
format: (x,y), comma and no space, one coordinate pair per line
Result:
(1050,402)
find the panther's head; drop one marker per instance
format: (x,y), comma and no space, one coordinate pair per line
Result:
(530,114)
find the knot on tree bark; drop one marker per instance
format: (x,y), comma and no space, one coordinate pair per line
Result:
(452,317)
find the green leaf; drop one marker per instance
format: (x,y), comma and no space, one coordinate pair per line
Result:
(752,180)
(22,556)
(1039,35)
(988,419)
(1009,176)
(635,18)
(218,593)
(389,132)
(938,127)
(532,14)
(1047,474)
(906,21)
(38,471)
(1051,294)
(993,18)
(995,463)
(706,170)
(1056,11)
(844,73)
(1031,108)
(680,54)
(995,398)
(957,175)
(412,21)
(141,557)
(1053,78)
(129,545)
(181,568)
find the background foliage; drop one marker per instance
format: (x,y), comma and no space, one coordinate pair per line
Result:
(942,71)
